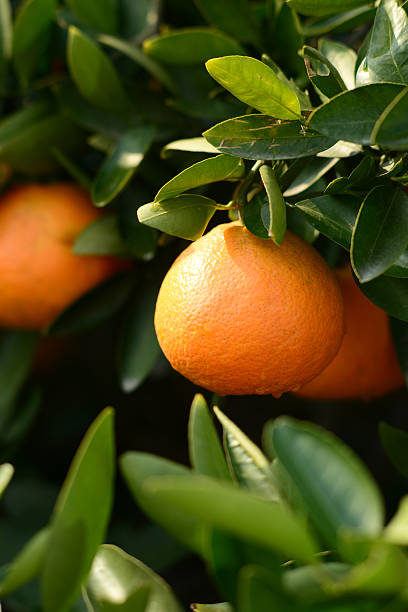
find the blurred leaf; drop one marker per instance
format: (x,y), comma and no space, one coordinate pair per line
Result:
(261,137)
(257,592)
(396,531)
(117,170)
(248,463)
(389,130)
(232,16)
(314,169)
(6,474)
(152,67)
(205,450)
(118,580)
(99,15)
(342,57)
(190,46)
(137,468)
(94,74)
(236,511)
(277,208)
(185,216)
(255,84)
(102,237)
(335,486)
(339,22)
(6,34)
(312,583)
(388,293)
(220,607)
(27,564)
(289,40)
(31,35)
(81,515)
(399,331)
(138,349)
(380,234)
(139,18)
(24,413)
(324,76)
(72,169)
(94,306)
(211,170)
(358,109)
(395,443)
(385,58)
(320,8)
(140,239)
(196,145)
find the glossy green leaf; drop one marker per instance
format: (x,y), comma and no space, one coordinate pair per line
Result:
(352,115)
(396,530)
(119,167)
(137,468)
(395,443)
(342,57)
(303,96)
(194,145)
(190,46)
(399,331)
(118,580)
(333,216)
(324,76)
(314,169)
(232,16)
(102,237)
(94,306)
(380,234)
(256,591)
(248,464)
(335,486)
(94,74)
(80,516)
(138,349)
(340,22)
(219,168)
(390,131)
(206,454)
(236,511)
(390,294)
(256,215)
(255,84)
(385,57)
(298,224)
(261,137)
(319,8)
(27,564)
(277,207)
(99,15)
(185,216)
(31,35)
(342,148)
(140,239)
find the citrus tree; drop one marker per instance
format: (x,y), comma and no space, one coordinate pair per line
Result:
(283,122)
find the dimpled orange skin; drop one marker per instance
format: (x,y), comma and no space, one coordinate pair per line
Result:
(39,274)
(238,315)
(366,365)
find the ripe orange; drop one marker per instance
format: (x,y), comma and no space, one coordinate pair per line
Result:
(366,365)
(238,315)
(39,273)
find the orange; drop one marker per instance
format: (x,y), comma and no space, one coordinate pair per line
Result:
(238,315)
(39,273)
(366,365)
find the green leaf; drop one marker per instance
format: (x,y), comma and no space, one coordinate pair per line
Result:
(303,96)
(388,293)
(340,22)
(6,474)
(94,306)
(206,455)
(390,131)
(185,216)
(119,167)
(324,76)
(320,8)
(211,170)
(99,15)
(139,18)
(195,145)
(395,443)
(335,486)
(190,46)
(102,237)
(136,469)
(94,74)
(248,463)
(342,57)
(298,224)
(219,607)
(140,239)
(380,234)
(32,30)
(27,564)
(261,137)
(385,57)
(118,580)
(256,215)
(352,115)
(255,84)
(399,331)
(314,169)
(396,531)
(80,516)
(277,207)
(25,411)
(235,511)
(6,34)
(138,349)
(289,40)
(232,16)
(256,591)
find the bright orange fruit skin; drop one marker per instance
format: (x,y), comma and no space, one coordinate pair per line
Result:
(39,274)
(238,315)
(366,365)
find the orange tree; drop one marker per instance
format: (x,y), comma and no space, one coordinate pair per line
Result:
(175,116)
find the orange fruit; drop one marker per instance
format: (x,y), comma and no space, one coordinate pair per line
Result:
(39,274)
(366,365)
(238,315)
